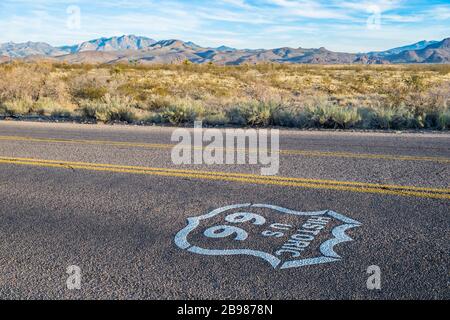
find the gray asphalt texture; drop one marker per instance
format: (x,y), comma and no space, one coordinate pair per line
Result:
(119,228)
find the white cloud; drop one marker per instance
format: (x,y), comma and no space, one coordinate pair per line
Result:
(238,3)
(364,6)
(309,9)
(403,19)
(440,13)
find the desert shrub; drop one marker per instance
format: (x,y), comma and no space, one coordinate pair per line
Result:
(216,119)
(444,120)
(116,70)
(304,119)
(62,113)
(405,119)
(90,85)
(333,116)
(178,114)
(431,120)
(55,87)
(16,107)
(183,112)
(153,118)
(254,113)
(21,81)
(415,82)
(396,118)
(236,116)
(285,118)
(43,107)
(379,118)
(259,113)
(140,89)
(346,117)
(50,107)
(303,96)
(91,93)
(109,108)
(155,103)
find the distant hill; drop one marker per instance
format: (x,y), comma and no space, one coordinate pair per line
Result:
(438,52)
(225,48)
(20,50)
(143,50)
(130,42)
(416,46)
(4,59)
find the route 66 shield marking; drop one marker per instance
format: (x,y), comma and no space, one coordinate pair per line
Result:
(282,237)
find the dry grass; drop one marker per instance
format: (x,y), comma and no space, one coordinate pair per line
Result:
(304,96)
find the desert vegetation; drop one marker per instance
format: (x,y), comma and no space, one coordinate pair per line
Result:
(299,96)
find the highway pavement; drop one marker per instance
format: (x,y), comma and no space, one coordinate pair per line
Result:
(109,200)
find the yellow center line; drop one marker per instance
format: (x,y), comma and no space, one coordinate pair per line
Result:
(305,153)
(363,156)
(226,174)
(410,191)
(92,142)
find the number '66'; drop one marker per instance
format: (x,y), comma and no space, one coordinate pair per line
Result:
(224,231)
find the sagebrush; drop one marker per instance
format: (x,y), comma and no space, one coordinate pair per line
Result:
(301,96)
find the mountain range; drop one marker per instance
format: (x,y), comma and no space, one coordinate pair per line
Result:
(143,50)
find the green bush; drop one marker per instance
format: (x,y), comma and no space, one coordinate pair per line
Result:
(91,93)
(415,82)
(61,113)
(333,116)
(110,108)
(380,118)
(178,114)
(184,111)
(50,107)
(395,118)
(284,118)
(156,103)
(259,113)
(217,119)
(16,107)
(153,118)
(236,116)
(305,119)
(444,120)
(254,113)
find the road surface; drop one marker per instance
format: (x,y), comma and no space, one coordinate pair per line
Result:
(109,200)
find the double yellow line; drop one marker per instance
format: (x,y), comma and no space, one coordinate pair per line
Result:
(305,153)
(397,190)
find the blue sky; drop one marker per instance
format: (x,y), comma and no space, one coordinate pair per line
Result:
(347,25)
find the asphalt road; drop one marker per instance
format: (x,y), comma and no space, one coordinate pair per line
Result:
(109,200)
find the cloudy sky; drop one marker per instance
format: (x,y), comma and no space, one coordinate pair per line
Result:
(340,25)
